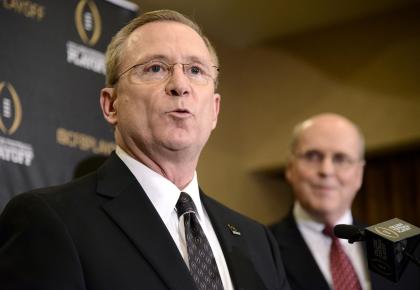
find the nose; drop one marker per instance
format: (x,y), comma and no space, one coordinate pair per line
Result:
(326,167)
(178,84)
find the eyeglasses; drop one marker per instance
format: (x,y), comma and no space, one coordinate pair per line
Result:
(315,158)
(154,71)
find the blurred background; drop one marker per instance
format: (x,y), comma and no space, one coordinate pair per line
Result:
(281,62)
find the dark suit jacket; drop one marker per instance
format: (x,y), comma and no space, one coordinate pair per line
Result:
(303,272)
(102,232)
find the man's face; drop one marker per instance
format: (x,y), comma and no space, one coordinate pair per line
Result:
(173,114)
(325,170)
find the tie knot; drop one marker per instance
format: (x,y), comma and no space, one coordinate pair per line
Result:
(329,231)
(185,204)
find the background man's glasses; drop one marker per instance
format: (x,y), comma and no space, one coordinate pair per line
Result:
(315,158)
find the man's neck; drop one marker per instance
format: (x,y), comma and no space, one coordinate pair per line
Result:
(180,171)
(322,218)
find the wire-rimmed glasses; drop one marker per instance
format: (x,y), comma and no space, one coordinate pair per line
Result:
(156,70)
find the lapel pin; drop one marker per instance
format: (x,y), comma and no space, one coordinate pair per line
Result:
(234,230)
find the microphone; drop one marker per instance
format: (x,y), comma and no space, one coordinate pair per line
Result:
(349,232)
(389,245)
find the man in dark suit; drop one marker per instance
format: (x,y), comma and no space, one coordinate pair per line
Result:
(325,171)
(140,221)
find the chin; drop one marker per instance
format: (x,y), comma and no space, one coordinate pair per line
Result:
(180,142)
(177,145)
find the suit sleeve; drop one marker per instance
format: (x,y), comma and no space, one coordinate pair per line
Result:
(283,283)
(36,251)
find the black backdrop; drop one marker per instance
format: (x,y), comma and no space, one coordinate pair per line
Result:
(51,73)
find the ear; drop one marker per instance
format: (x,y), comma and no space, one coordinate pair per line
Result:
(216,108)
(288,170)
(360,171)
(108,102)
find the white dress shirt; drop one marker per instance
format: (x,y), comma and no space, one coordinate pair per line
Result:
(164,195)
(320,244)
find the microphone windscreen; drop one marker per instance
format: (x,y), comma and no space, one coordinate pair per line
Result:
(349,232)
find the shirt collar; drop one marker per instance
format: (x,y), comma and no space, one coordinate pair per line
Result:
(304,218)
(162,192)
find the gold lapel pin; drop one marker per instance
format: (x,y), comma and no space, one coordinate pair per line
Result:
(234,230)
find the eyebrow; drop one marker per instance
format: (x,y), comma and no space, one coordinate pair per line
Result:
(151,57)
(161,57)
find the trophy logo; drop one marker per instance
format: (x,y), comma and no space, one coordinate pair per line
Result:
(11,109)
(385,232)
(88,22)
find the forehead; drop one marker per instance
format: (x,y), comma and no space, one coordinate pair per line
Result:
(330,138)
(172,40)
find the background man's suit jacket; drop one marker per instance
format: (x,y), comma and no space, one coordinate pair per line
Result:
(102,232)
(303,272)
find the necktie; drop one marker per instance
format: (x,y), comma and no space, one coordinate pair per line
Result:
(343,274)
(203,266)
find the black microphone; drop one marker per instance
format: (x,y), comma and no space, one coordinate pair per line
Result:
(389,245)
(349,232)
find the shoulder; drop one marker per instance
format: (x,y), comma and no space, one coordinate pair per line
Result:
(232,224)
(215,208)
(284,225)
(50,199)
(250,243)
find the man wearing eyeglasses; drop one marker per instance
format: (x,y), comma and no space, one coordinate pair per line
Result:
(141,221)
(325,171)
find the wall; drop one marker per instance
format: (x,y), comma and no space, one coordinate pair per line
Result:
(368,70)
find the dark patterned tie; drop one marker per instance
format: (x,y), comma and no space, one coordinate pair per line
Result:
(343,274)
(203,266)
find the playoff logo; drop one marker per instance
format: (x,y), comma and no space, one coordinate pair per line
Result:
(88,22)
(89,27)
(13,151)
(11,109)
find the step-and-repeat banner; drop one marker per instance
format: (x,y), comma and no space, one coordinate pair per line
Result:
(51,72)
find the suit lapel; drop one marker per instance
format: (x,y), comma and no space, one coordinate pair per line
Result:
(302,269)
(241,268)
(131,209)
